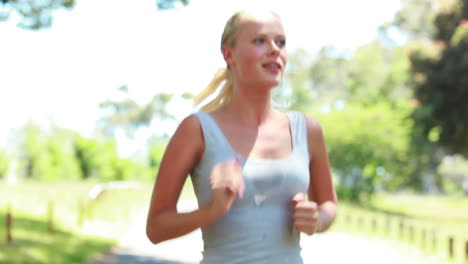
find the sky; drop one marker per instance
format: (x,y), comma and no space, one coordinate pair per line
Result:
(61,74)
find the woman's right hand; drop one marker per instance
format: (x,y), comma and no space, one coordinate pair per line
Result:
(226,184)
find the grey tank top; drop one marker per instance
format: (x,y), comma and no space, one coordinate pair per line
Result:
(258,228)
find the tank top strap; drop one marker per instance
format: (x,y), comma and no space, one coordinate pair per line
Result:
(212,134)
(299,132)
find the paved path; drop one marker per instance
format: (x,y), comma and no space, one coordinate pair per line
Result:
(330,247)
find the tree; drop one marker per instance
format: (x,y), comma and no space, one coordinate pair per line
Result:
(330,78)
(37,14)
(47,156)
(98,159)
(129,115)
(315,81)
(415,19)
(440,82)
(386,80)
(170,4)
(368,147)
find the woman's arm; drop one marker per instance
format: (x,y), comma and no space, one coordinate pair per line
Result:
(183,151)
(321,189)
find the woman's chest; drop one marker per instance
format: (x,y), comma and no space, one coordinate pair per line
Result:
(274,181)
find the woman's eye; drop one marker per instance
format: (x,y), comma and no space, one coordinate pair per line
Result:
(259,40)
(281,43)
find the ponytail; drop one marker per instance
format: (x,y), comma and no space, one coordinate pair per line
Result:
(224,95)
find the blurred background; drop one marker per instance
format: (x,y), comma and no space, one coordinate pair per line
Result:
(91,92)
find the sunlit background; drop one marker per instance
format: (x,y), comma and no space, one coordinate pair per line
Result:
(61,74)
(91,91)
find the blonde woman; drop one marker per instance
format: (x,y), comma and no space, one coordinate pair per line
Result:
(261,176)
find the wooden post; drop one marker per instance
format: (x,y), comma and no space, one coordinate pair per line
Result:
(348,220)
(374,225)
(388,226)
(466,251)
(434,245)
(360,223)
(411,233)
(450,247)
(401,231)
(9,225)
(424,239)
(50,216)
(81,213)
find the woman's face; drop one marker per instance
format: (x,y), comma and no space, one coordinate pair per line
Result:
(258,57)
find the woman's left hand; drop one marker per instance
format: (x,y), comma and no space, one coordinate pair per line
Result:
(305,214)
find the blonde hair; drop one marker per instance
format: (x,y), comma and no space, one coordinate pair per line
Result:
(223,75)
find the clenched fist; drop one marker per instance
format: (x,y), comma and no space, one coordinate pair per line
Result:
(305,214)
(226,184)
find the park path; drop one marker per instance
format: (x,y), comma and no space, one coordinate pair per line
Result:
(329,247)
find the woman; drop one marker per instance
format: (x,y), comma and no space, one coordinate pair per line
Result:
(261,176)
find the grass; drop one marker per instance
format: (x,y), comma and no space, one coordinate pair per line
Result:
(34,244)
(449,213)
(113,211)
(440,217)
(30,202)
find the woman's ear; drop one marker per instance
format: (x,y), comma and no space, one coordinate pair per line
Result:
(227,54)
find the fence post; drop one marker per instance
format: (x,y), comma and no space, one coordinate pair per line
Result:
(9,224)
(81,213)
(411,231)
(373,223)
(388,226)
(450,247)
(361,224)
(50,216)
(401,229)
(349,220)
(466,251)
(434,240)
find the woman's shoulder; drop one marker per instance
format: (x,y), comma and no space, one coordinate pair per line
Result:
(312,123)
(189,128)
(189,134)
(314,128)
(190,121)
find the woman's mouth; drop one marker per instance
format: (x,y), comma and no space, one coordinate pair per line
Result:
(272,67)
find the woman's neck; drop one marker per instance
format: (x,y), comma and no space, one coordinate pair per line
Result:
(250,106)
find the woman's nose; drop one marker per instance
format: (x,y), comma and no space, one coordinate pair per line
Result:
(274,49)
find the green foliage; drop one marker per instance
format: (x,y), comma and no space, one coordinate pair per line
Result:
(4,164)
(170,4)
(386,80)
(95,157)
(64,155)
(368,147)
(156,155)
(440,82)
(329,78)
(99,160)
(316,81)
(37,14)
(129,115)
(454,170)
(48,157)
(367,128)
(415,18)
